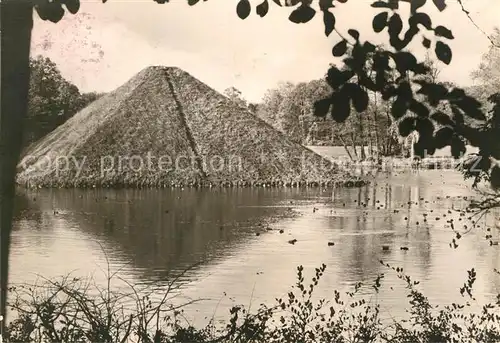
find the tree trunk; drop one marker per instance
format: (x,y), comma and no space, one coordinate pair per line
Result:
(370,140)
(389,143)
(389,151)
(362,137)
(353,142)
(345,147)
(17,22)
(375,122)
(363,152)
(370,145)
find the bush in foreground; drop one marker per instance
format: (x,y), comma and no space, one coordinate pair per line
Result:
(73,310)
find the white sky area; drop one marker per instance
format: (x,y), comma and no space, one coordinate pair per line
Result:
(104,45)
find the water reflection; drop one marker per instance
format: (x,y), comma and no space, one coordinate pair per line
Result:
(156,231)
(159,231)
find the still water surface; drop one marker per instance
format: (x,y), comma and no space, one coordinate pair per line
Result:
(146,233)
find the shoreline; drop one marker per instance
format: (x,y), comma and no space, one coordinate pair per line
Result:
(386,164)
(394,163)
(350,183)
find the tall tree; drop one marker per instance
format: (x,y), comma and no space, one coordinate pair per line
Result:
(235,95)
(291,112)
(51,100)
(487,75)
(273,98)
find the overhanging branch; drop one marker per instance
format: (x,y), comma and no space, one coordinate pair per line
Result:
(467,13)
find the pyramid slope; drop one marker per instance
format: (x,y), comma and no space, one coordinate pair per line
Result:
(220,126)
(162,128)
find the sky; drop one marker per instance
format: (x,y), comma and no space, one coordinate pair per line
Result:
(104,45)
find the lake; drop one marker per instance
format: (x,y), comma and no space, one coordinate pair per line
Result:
(233,236)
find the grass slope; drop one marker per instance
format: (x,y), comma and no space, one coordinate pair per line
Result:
(166,128)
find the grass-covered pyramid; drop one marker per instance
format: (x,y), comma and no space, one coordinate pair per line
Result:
(165,128)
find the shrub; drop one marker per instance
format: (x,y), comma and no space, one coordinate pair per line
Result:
(71,310)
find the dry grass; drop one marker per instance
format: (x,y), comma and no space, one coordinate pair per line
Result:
(167,112)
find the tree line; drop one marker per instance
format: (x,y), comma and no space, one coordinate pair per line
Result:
(52,100)
(289,108)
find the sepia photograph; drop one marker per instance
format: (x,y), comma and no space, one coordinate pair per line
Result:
(250,171)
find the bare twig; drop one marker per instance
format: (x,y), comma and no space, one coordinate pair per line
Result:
(467,13)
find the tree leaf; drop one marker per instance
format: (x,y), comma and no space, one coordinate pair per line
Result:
(329,21)
(406,126)
(353,33)
(430,148)
(426,43)
(440,4)
(243,9)
(379,4)
(50,11)
(333,77)
(421,69)
(457,147)
(360,100)
(73,6)
(358,96)
(287,3)
(405,92)
(443,52)
(422,19)
(192,2)
(419,148)
(443,137)
(456,94)
(341,108)
(302,14)
(425,144)
(395,25)
(458,115)
(416,4)
(262,8)
(495,177)
(336,77)
(399,108)
(321,107)
(404,61)
(471,107)
(381,61)
(419,109)
(369,47)
(442,118)
(393,5)
(412,31)
(388,90)
(380,22)
(324,5)
(475,137)
(434,92)
(340,48)
(425,127)
(442,31)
